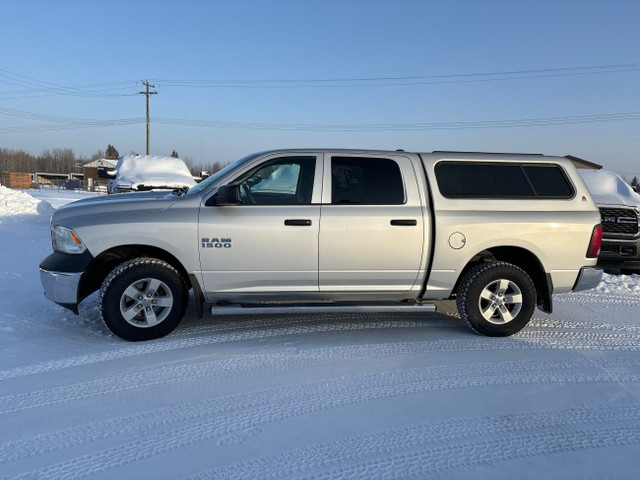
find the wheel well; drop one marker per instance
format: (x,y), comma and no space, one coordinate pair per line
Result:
(104,263)
(522,258)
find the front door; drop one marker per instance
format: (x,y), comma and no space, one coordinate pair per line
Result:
(268,243)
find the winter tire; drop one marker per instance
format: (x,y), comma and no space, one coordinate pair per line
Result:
(496,299)
(143,299)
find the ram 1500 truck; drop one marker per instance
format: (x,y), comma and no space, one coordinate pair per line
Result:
(317,230)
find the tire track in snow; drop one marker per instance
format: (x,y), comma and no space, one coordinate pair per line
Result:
(586,326)
(332,456)
(256,330)
(541,340)
(529,340)
(600,298)
(224,336)
(303,399)
(441,459)
(134,424)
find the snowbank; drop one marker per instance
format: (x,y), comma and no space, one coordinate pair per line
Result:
(608,188)
(18,206)
(150,170)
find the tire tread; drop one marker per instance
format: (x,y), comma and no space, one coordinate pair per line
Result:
(121,269)
(468,281)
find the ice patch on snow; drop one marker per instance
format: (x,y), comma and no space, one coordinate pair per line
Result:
(17,206)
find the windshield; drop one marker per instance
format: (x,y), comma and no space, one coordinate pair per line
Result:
(218,175)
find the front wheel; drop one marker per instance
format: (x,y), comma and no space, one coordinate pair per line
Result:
(143,299)
(496,299)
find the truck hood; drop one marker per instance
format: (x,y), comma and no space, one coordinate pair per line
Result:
(118,204)
(607,188)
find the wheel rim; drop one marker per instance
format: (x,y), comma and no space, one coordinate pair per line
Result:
(500,301)
(146,302)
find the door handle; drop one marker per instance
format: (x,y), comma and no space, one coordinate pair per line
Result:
(404,223)
(297,223)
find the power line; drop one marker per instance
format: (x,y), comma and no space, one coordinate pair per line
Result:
(60,123)
(526,122)
(404,80)
(32,85)
(44,88)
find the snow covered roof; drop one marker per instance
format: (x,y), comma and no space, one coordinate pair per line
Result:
(608,188)
(153,170)
(103,162)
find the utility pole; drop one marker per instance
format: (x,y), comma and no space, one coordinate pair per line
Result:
(147,93)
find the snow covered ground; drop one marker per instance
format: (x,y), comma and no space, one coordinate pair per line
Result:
(317,396)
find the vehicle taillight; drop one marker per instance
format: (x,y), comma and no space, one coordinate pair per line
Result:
(596,242)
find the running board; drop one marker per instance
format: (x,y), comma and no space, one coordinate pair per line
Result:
(298,309)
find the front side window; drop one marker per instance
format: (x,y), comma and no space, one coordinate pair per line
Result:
(368,181)
(281,181)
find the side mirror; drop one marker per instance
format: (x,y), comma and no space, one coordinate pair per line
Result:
(103,173)
(227,195)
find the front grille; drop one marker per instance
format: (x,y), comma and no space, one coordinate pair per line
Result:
(619,220)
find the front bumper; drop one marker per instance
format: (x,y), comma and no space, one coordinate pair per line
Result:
(61,277)
(620,253)
(588,278)
(61,287)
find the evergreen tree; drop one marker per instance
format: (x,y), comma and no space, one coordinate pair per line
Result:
(111,153)
(174,154)
(635,184)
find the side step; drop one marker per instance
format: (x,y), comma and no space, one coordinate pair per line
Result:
(262,309)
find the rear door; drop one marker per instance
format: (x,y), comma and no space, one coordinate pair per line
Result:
(372,229)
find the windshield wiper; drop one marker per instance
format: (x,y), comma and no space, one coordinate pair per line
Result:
(180,191)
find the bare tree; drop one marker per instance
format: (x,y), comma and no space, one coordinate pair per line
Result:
(99,155)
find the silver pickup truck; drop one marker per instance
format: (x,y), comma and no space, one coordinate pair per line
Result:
(334,230)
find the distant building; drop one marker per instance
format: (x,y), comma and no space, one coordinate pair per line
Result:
(91,179)
(584,164)
(16,180)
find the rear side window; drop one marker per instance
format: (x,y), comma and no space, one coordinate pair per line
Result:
(548,181)
(367,181)
(502,180)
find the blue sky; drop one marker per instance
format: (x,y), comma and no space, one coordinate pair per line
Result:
(52,51)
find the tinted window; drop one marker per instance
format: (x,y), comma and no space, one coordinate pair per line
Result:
(460,179)
(548,181)
(369,181)
(482,180)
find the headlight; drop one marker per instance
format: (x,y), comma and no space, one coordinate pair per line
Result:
(65,240)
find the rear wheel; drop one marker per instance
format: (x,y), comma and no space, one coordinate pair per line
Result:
(496,299)
(143,299)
